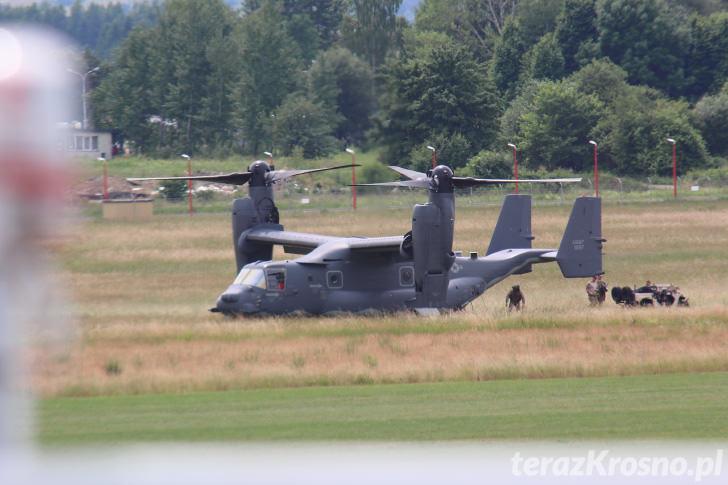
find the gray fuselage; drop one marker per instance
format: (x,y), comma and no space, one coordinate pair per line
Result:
(382,283)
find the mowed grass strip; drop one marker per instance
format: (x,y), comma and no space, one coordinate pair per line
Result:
(675,406)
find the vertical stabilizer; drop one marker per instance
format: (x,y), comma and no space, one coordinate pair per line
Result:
(513,229)
(580,252)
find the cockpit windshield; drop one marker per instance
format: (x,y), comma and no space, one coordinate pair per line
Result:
(251,277)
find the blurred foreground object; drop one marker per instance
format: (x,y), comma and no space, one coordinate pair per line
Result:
(34,93)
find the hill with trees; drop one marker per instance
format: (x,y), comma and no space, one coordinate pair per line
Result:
(467,76)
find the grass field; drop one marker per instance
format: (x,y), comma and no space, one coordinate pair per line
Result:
(142,290)
(646,407)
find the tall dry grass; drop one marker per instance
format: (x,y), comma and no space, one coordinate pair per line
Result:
(142,291)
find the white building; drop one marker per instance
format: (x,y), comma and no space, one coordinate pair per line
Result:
(85,143)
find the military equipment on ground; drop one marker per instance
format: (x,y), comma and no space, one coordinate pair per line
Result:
(416,271)
(664,294)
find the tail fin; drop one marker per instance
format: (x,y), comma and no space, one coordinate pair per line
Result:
(580,252)
(513,229)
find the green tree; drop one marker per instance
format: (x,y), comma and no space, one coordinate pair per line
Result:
(576,32)
(472,23)
(302,123)
(633,135)
(490,164)
(510,122)
(603,79)
(124,101)
(507,55)
(537,18)
(440,95)
(559,126)
(302,30)
(711,116)
(453,149)
(352,92)
(544,60)
(646,40)
(707,61)
(195,31)
(270,71)
(372,29)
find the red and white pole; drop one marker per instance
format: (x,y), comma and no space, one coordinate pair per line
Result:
(434,160)
(674,168)
(515,164)
(596,171)
(270,160)
(353,175)
(106,185)
(189,182)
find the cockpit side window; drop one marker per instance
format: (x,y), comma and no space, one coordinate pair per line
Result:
(275,278)
(251,277)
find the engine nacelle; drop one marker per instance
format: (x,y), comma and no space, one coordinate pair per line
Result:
(245,217)
(433,257)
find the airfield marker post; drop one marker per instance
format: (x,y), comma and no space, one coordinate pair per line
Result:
(674,168)
(270,159)
(189,182)
(515,164)
(353,175)
(106,185)
(596,171)
(434,160)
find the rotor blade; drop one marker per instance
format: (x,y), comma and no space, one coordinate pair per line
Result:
(421,184)
(410,174)
(462,182)
(277,175)
(237,178)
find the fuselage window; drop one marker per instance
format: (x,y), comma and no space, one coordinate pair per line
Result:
(334,279)
(276,278)
(250,277)
(406,275)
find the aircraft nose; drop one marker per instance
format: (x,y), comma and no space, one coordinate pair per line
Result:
(230,297)
(236,299)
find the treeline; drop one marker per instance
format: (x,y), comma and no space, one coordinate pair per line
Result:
(98,27)
(468,77)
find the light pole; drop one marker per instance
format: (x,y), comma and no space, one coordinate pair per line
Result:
(353,175)
(270,159)
(432,149)
(674,168)
(83,91)
(515,164)
(189,182)
(596,171)
(106,192)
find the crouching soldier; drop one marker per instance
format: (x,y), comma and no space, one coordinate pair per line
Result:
(515,298)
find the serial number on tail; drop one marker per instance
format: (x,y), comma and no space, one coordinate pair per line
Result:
(578,244)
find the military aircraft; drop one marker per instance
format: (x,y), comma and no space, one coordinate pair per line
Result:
(415,271)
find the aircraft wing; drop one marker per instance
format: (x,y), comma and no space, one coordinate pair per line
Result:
(343,248)
(292,242)
(375,244)
(303,243)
